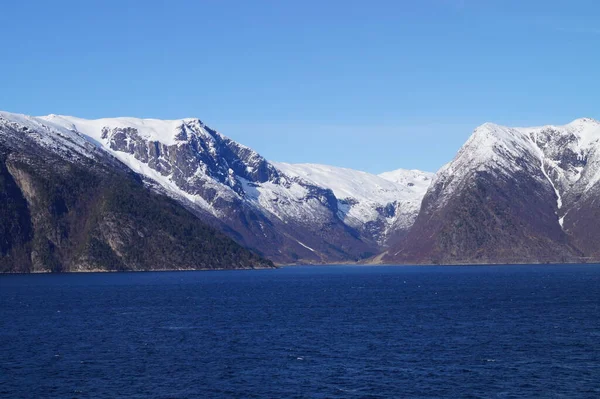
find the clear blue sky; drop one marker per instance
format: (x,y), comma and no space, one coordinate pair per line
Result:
(373,85)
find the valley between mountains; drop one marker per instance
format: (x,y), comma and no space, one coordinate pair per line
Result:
(144,194)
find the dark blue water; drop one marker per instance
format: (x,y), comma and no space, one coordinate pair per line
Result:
(312,332)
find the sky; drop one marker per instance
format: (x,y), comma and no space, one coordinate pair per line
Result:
(371,85)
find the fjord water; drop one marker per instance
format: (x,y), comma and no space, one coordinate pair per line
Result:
(314,332)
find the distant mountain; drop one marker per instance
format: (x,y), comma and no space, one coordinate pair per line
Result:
(67,205)
(380,207)
(512,195)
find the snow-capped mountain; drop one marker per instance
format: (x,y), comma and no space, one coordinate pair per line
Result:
(284,218)
(285,212)
(375,205)
(68,205)
(509,195)
(512,194)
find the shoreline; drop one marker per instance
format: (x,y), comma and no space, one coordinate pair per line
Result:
(41,272)
(307,265)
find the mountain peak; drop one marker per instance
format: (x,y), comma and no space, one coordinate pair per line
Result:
(490,126)
(584,121)
(491,129)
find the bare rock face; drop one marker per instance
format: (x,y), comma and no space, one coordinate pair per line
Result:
(68,206)
(16,229)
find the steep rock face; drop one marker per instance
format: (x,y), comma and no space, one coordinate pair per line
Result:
(511,195)
(285,218)
(16,230)
(582,223)
(69,206)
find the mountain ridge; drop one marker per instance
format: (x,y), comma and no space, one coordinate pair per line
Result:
(511,194)
(284,216)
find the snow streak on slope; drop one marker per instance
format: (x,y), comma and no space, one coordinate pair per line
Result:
(533,137)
